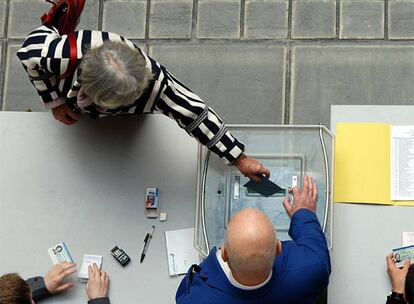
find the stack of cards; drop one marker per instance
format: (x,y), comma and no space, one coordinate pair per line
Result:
(60,253)
(402,254)
(88,260)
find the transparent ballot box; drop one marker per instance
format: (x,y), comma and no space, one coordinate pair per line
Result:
(290,152)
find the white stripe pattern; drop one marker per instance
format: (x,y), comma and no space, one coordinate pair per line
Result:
(79,44)
(167,94)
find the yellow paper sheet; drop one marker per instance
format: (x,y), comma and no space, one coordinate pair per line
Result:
(362,164)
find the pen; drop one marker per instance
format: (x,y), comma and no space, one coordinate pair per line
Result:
(147,241)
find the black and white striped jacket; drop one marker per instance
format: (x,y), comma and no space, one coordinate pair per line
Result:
(45,55)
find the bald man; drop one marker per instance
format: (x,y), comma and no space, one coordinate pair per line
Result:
(253,266)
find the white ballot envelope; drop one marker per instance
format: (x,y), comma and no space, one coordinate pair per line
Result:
(181,253)
(89,260)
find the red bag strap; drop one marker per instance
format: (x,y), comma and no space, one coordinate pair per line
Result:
(73,57)
(64,15)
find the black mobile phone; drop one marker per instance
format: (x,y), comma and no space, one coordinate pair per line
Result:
(120,255)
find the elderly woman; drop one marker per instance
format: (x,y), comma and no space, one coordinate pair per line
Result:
(115,77)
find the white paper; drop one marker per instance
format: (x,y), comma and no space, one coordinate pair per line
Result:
(89,259)
(181,253)
(407,239)
(402,163)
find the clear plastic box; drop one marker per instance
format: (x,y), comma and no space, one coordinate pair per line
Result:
(290,152)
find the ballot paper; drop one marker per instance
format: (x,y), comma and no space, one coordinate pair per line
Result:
(402,163)
(402,254)
(60,253)
(264,187)
(407,239)
(364,175)
(89,260)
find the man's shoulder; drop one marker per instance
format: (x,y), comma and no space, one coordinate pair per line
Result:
(295,260)
(204,284)
(203,293)
(38,287)
(204,296)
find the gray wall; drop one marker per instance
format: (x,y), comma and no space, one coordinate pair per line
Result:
(253,61)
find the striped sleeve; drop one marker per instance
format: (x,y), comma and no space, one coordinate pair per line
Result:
(45,55)
(197,119)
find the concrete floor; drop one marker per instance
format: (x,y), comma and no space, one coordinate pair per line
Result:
(253,61)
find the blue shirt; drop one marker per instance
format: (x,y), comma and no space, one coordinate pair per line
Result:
(300,272)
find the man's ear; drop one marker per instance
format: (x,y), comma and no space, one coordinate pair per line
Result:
(278,247)
(224,254)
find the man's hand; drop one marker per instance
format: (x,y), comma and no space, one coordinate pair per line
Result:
(251,167)
(302,199)
(54,278)
(64,114)
(98,283)
(397,275)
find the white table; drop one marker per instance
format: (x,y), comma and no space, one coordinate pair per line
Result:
(85,185)
(364,234)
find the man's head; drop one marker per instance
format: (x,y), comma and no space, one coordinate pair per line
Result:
(409,285)
(250,246)
(14,290)
(114,75)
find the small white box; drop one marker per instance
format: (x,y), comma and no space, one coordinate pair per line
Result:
(163,216)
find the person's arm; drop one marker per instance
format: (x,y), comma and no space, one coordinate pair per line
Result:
(397,277)
(38,288)
(311,249)
(98,286)
(201,122)
(394,300)
(45,56)
(52,282)
(104,300)
(197,119)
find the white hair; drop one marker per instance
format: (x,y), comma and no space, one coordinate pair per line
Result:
(114,75)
